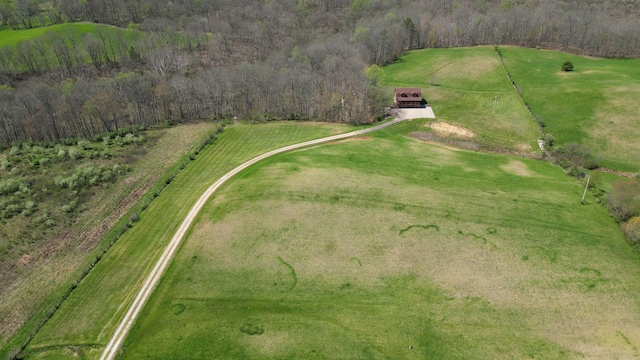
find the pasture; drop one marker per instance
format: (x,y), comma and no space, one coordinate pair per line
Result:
(386,246)
(389,247)
(11,37)
(468,87)
(87,318)
(596,104)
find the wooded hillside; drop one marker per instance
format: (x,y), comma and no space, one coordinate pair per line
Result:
(284,59)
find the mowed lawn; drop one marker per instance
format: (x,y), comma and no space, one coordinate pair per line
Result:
(388,247)
(596,104)
(470,89)
(86,320)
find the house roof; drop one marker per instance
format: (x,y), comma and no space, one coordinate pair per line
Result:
(409,94)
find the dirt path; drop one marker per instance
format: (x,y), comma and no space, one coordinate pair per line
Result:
(164,261)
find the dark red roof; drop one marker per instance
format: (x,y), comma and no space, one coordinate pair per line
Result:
(409,94)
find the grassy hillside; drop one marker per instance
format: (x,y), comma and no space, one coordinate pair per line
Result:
(10,36)
(388,247)
(88,317)
(596,104)
(467,83)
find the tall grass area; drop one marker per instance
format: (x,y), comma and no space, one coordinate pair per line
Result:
(53,255)
(394,248)
(11,37)
(596,104)
(87,319)
(468,87)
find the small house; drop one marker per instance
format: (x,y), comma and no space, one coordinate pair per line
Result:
(408,98)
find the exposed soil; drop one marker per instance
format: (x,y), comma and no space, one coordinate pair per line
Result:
(626,174)
(444,128)
(517,168)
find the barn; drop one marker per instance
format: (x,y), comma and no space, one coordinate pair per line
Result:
(408,97)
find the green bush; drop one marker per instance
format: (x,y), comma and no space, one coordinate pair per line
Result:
(70,207)
(28,208)
(74,154)
(11,210)
(567,66)
(88,176)
(549,140)
(11,186)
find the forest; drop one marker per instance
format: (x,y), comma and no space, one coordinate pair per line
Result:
(167,61)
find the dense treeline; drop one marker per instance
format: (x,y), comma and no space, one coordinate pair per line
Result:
(285,59)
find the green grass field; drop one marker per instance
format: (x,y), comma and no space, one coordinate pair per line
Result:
(596,104)
(88,317)
(467,82)
(10,37)
(388,247)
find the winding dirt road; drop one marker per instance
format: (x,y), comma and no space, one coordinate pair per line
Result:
(164,261)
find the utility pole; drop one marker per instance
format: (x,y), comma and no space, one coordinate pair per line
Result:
(585,189)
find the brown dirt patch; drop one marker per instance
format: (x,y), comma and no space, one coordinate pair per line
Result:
(444,128)
(523,147)
(25,259)
(517,168)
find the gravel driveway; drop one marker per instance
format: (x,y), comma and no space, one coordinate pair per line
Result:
(414,113)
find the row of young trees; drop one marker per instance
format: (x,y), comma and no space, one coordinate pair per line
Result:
(264,60)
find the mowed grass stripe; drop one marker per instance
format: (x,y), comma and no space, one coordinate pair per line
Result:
(499,257)
(90,314)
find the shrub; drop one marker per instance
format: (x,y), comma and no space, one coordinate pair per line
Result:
(11,186)
(574,154)
(88,176)
(43,161)
(11,210)
(567,66)
(549,140)
(70,207)
(74,154)
(623,200)
(133,218)
(42,218)
(632,230)
(29,208)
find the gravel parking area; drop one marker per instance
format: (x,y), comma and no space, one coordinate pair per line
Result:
(414,113)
